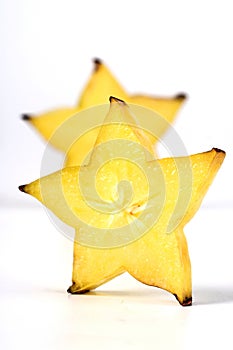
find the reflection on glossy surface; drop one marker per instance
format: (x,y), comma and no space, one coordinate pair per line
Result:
(127,319)
(37,313)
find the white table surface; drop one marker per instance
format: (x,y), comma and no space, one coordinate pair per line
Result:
(37,313)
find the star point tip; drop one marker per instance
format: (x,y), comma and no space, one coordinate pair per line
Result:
(26,117)
(69,290)
(218,150)
(22,188)
(181,96)
(113,99)
(186,302)
(97,62)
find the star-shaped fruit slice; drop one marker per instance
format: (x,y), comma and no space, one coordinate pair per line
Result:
(129,209)
(101,85)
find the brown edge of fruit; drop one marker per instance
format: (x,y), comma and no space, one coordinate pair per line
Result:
(97,63)
(69,290)
(113,99)
(218,150)
(181,96)
(186,302)
(26,117)
(22,188)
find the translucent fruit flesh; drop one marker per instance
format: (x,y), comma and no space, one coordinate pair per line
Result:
(168,190)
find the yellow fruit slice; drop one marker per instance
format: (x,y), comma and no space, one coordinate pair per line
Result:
(163,106)
(52,125)
(49,122)
(128,209)
(100,86)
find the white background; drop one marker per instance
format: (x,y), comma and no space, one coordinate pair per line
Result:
(155,47)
